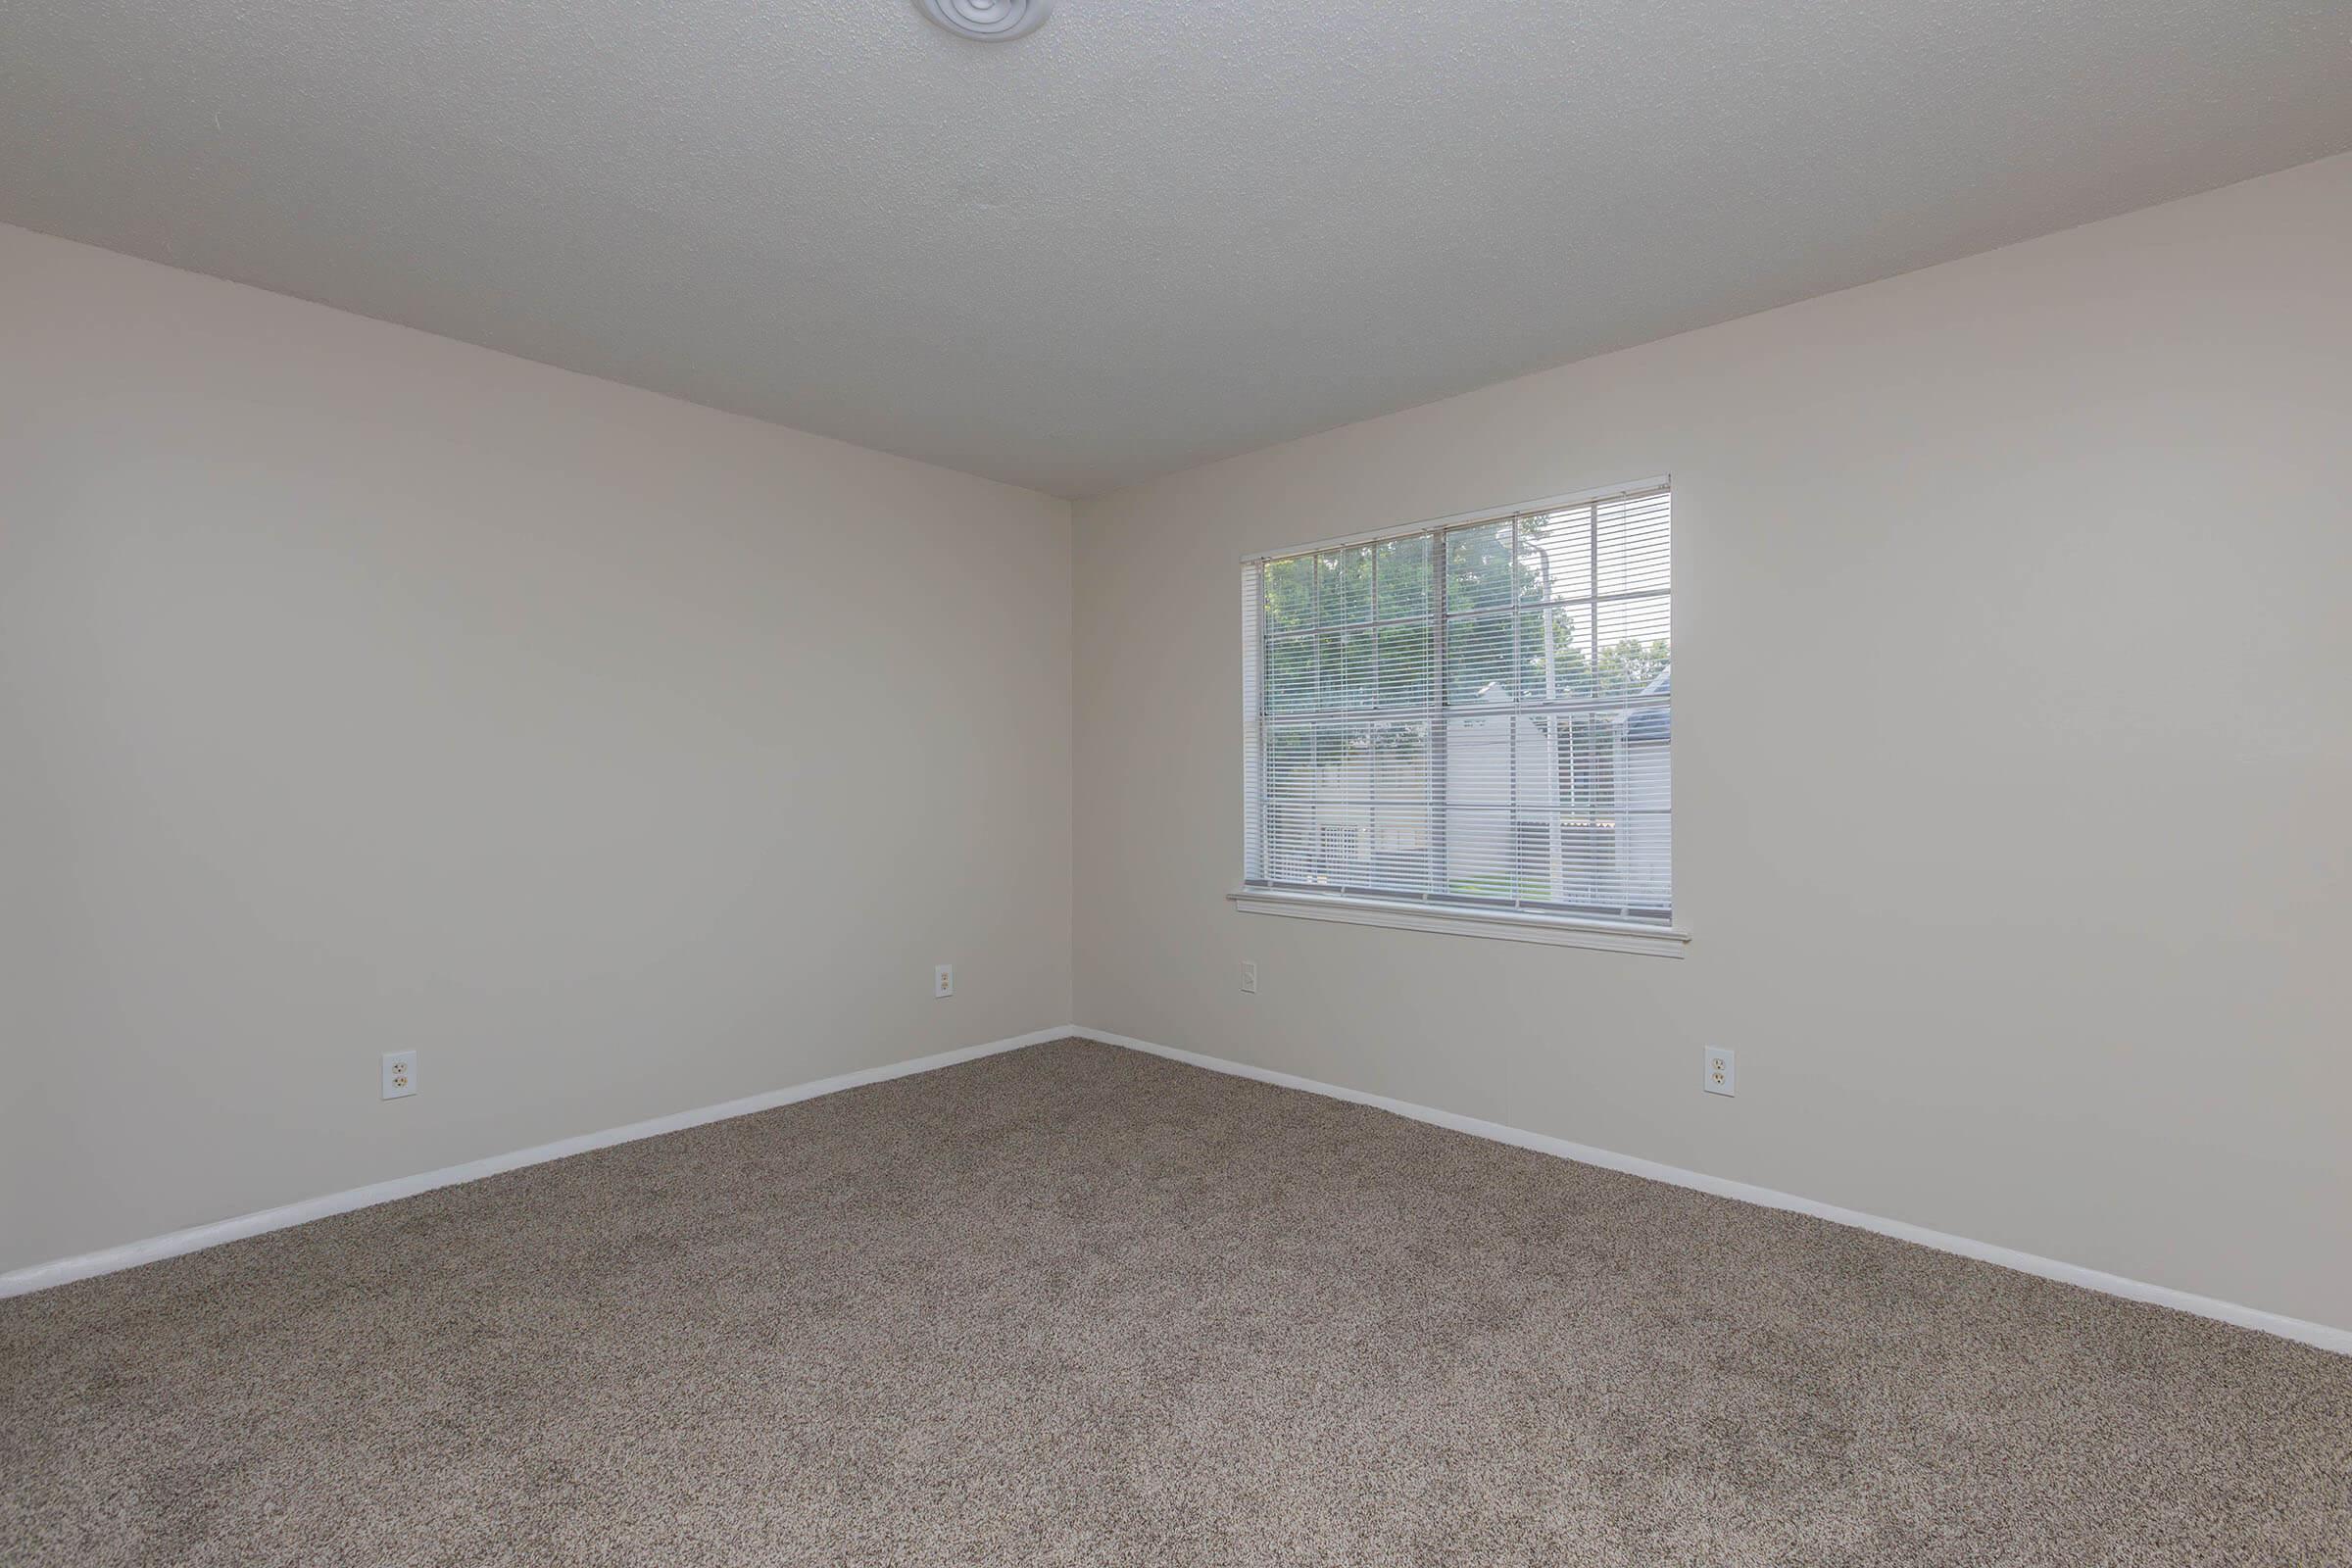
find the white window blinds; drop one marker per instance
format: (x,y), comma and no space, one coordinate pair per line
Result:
(1475,715)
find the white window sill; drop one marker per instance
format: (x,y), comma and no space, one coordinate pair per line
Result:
(1508,925)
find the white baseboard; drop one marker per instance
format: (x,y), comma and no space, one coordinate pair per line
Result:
(2338,1339)
(41,1276)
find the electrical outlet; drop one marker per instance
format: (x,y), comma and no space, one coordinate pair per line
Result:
(1719,1073)
(400,1074)
(1249,975)
(943,980)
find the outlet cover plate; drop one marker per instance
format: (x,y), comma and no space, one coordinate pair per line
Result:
(1720,1079)
(400,1074)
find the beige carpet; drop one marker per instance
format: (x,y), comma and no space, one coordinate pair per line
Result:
(1077,1305)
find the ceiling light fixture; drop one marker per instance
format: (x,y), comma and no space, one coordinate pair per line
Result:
(991,19)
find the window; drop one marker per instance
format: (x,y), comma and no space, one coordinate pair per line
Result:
(1471,720)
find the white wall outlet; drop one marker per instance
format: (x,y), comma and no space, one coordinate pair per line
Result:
(400,1074)
(943,980)
(1249,975)
(1719,1073)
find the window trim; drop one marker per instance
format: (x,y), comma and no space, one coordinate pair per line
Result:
(1469,920)
(1546,927)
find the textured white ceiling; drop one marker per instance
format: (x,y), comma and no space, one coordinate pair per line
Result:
(1151,233)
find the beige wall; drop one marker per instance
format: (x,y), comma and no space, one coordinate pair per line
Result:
(2014,753)
(361,690)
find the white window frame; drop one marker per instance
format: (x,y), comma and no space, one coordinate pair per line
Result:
(1551,928)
